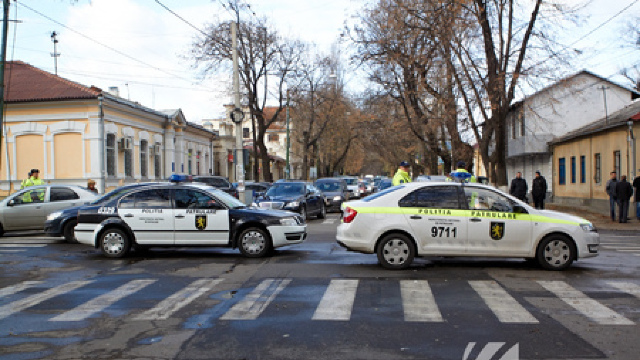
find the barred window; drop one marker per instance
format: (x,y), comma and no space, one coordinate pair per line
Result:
(128,163)
(144,153)
(111,155)
(157,162)
(189,155)
(598,169)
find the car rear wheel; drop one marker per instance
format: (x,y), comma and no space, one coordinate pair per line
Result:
(67,231)
(114,243)
(396,251)
(254,243)
(556,252)
(323,212)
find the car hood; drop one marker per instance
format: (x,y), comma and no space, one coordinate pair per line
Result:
(563,216)
(332,193)
(280,198)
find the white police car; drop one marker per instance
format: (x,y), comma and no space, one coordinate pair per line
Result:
(185,214)
(454,219)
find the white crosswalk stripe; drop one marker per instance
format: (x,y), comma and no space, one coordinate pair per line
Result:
(254,304)
(30,301)
(504,306)
(585,305)
(418,302)
(22,245)
(629,288)
(17,288)
(337,301)
(179,300)
(103,301)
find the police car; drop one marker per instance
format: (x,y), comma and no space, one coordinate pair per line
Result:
(185,214)
(456,219)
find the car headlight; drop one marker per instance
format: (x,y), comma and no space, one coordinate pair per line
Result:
(288,222)
(588,227)
(293,204)
(54,215)
(254,204)
(337,198)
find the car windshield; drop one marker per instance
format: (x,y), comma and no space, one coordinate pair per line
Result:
(382,193)
(328,186)
(284,189)
(230,201)
(351,181)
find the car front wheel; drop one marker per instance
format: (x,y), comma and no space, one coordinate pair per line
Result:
(323,212)
(67,231)
(254,243)
(556,252)
(114,243)
(396,251)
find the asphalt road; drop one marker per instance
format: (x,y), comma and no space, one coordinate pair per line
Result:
(312,301)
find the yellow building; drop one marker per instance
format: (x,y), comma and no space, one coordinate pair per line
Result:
(584,158)
(72,133)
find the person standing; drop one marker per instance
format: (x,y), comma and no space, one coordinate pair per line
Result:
(539,190)
(624,191)
(461,174)
(26,181)
(34,179)
(611,191)
(519,187)
(91,185)
(402,175)
(636,184)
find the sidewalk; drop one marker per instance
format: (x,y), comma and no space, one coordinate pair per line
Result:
(600,221)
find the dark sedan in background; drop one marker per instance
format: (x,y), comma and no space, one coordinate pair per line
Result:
(217,182)
(335,191)
(296,196)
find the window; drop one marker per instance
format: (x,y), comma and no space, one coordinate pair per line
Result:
(193,199)
(147,199)
(274,137)
(513,127)
(561,172)
(189,163)
(128,163)
(597,177)
(583,169)
(522,126)
(573,169)
(144,153)
(61,194)
(616,163)
(111,154)
(439,197)
(29,196)
(157,163)
(245,133)
(199,154)
(483,199)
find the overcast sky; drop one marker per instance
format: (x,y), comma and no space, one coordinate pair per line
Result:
(141,48)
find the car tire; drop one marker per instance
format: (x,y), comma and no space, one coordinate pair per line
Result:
(114,243)
(323,212)
(396,251)
(254,242)
(1,230)
(67,231)
(556,252)
(303,212)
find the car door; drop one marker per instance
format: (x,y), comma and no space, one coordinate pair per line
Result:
(497,225)
(315,199)
(149,213)
(61,198)
(200,218)
(25,210)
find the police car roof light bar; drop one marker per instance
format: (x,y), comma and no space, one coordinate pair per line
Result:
(179,178)
(463,177)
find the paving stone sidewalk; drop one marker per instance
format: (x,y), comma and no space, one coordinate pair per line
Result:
(600,221)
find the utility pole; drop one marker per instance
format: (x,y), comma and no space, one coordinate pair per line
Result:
(3,59)
(237,115)
(606,112)
(55,53)
(287,169)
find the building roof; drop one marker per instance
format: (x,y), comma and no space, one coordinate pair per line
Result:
(617,119)
(26,83)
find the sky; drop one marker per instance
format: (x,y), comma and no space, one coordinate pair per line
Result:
(143,50)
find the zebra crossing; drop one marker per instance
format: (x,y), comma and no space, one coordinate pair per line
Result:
(418,299)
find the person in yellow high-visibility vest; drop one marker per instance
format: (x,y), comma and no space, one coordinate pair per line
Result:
(33,180)
(402,175)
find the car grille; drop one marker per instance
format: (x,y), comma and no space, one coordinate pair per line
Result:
(271,204)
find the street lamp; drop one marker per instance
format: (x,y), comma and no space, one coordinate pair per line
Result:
(287,169)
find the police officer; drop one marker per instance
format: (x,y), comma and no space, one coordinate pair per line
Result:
(26,181)
(402,175)
(34,179)
(461,174)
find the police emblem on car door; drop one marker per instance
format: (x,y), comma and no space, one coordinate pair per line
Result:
(497,230)
(201,222)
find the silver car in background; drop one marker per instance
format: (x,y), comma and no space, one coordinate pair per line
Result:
(27,209)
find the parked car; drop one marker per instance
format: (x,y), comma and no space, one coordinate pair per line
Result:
(431,178)
(296,196)
(335,191)
(352,184)
(28,208)
(63,222)
(218,182)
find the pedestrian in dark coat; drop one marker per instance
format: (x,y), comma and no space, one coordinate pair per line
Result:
(539,190)
(519,187)
(624,191)
(611,191)
(636,184)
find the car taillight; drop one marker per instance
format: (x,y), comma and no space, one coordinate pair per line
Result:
(349,215)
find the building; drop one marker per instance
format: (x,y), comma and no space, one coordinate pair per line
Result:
(553,112)
(583,159)
(73,133)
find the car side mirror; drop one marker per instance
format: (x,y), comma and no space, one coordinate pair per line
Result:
(11,202)
(519,209)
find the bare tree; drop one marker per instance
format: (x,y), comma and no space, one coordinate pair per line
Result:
(266,59)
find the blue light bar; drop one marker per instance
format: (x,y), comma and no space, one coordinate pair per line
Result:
(461,176)
(179,178)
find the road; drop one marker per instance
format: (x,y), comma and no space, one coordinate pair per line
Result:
(312,301)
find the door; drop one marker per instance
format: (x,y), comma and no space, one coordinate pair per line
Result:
(25,211)
(200,218)
(61,198)
(149,214)
(314,198)
(497,226)
(436,218)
